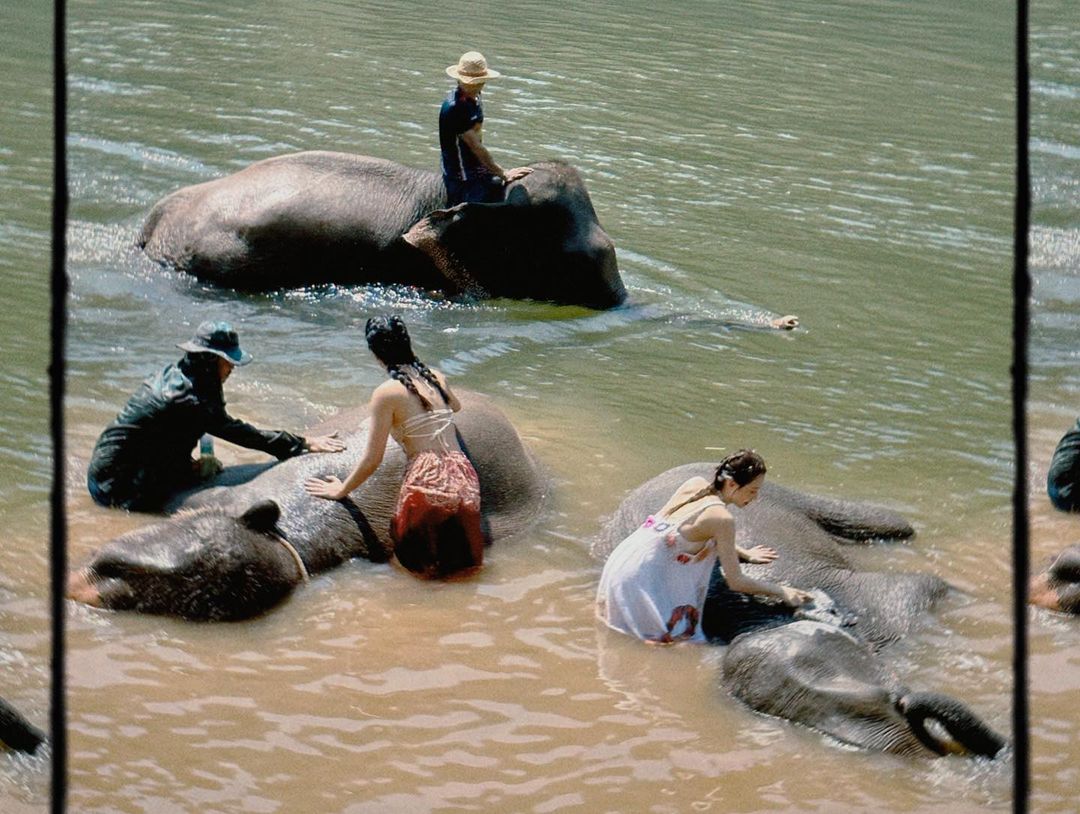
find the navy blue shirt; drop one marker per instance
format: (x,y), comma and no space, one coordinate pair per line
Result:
(465,178)
(458,115)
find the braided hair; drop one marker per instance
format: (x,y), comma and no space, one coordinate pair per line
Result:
(388,338)
(741,467)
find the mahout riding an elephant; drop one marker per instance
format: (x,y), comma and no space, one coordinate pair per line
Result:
(241,545)
(782,661)
(16,732)
(1057,586)
(329,217)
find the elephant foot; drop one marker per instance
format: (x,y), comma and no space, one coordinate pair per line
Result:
(964,732)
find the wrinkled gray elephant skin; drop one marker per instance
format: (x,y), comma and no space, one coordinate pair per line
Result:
(239,547)
(326,217)
(16,732)
(823,675)
(1057,586)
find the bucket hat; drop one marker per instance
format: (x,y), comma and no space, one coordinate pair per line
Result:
(218,338)
(472,68)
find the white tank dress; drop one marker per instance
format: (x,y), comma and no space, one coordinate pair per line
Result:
(653,585)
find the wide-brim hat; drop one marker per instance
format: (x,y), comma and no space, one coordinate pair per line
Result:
(217,338)
(472,68)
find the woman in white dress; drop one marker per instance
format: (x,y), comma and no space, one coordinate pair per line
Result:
(654,583)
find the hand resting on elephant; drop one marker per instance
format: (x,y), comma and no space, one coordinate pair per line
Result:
(655,582)
(242,543)
(818,665)
(143,458)
(437,527)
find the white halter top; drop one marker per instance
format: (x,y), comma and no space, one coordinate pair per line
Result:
(428,425)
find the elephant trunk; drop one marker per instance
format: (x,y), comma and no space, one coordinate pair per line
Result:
(16,731)
(966,733)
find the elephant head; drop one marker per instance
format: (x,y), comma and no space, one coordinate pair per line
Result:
(820,676)
(202,564)
(543,242)
(1058,586)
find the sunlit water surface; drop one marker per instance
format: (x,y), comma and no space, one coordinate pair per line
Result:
(848,162)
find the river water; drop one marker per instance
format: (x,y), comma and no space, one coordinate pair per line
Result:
(1054,385)
(850,162)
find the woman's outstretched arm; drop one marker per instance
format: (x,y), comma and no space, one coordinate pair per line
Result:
(382,416)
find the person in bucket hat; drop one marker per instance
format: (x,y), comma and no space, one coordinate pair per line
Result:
(143,457)
(469,172)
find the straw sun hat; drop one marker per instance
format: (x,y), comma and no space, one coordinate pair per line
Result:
(472,68)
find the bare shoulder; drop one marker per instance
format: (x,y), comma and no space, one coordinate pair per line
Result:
(388,395)
(388,390)
(717,522)
(692,486)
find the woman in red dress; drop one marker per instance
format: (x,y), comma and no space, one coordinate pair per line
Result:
(437,528)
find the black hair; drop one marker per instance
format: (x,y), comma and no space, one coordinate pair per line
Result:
(388,338)
(741,467)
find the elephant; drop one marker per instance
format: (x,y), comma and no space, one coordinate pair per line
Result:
(791,663)
(238,547)
(1057,586)
(331,217)
(824,677)
(16,732)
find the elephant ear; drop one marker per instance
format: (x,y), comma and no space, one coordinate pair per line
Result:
(517,195)
(261,517)
(444,234)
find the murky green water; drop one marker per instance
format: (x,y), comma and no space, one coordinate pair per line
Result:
(849,162)
(1054,382)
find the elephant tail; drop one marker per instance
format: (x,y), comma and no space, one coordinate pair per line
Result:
(966,733)
(17,732)
(846,519)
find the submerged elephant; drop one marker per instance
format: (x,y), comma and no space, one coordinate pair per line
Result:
(322,217)
(1057,586)
(239,547)
(16,732)
(820,675)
